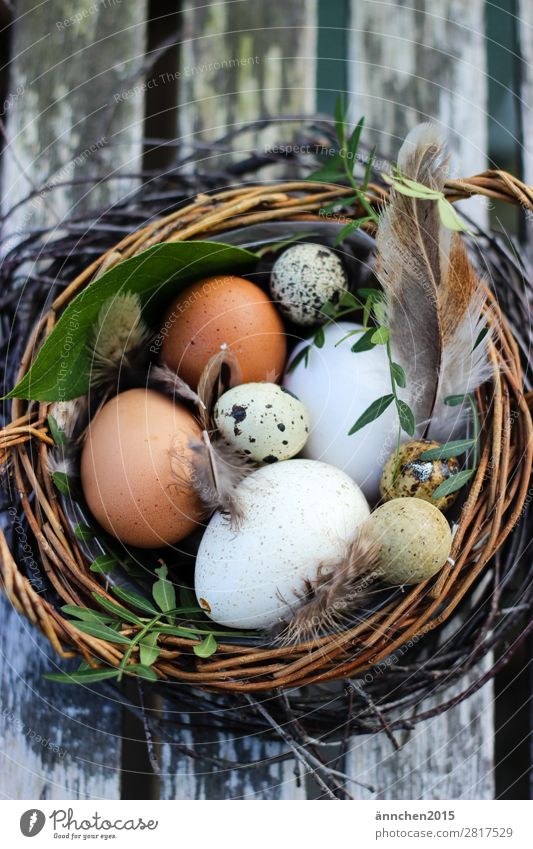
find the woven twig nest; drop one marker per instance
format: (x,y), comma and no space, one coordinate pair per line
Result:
(493,507)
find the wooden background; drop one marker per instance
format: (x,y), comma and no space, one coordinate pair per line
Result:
(86,81)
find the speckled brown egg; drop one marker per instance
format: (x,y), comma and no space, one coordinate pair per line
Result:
(413,540)
(405,475)
(224,310)
(135,469)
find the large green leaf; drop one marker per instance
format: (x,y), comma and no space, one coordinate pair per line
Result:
(61,369)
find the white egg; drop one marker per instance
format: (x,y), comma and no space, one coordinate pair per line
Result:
(263,420)
(303,278)
(337,386)
(297,515)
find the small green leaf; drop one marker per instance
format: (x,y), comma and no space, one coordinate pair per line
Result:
(83,532)
(319,338)
(398,375)
(136,600)
(378,309)
(356,224)
(301,355)
(373,294)
(481,336)
(58,434)
(455,400)
(102,632)
(141,671)
(329,310)
(206,648)
(372,412)
(63,483)
(451,449)
(329,173)
(86,613)
(355,138)
(349,301)
(84,676)
(407,419)
(122,613)
(381,336)
(163,590)
(103,564)
(365,343)
(453,484)
(149,651)
(451,218)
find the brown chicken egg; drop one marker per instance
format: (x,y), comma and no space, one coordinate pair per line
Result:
(224,310)
(135,469)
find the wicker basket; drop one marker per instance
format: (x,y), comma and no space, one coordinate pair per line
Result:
(494,504)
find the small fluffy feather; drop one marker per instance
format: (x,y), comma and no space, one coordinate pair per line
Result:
(119,333)
(216,472)
(163,379)
(336,591)
(433,298)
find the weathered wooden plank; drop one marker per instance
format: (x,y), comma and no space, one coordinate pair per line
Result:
(239,62)
(57,741)
(418,62)
(448,757)
(412,63)
(243,61)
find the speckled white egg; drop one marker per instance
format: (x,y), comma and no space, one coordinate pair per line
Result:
(303,278)
(297,515)
(337,386)
(263,420)
(413,540)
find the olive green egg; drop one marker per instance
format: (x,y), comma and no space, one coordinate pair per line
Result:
(405,475)
(413,540)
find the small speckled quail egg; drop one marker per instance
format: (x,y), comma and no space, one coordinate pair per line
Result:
(413,540)
(298,515)
(266,422)
(303,278)
(406,475)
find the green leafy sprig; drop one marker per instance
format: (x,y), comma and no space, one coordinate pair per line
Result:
(341,169)
(380,335)
(139,626)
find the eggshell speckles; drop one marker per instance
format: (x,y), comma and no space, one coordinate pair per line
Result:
(413,538)
(405,475)
(218,311)
(134,469)
(297,515)
(336,387)
(303,278)
(263,420)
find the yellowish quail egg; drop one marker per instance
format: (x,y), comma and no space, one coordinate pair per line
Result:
(413,540)
(405,475)
(263,420)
